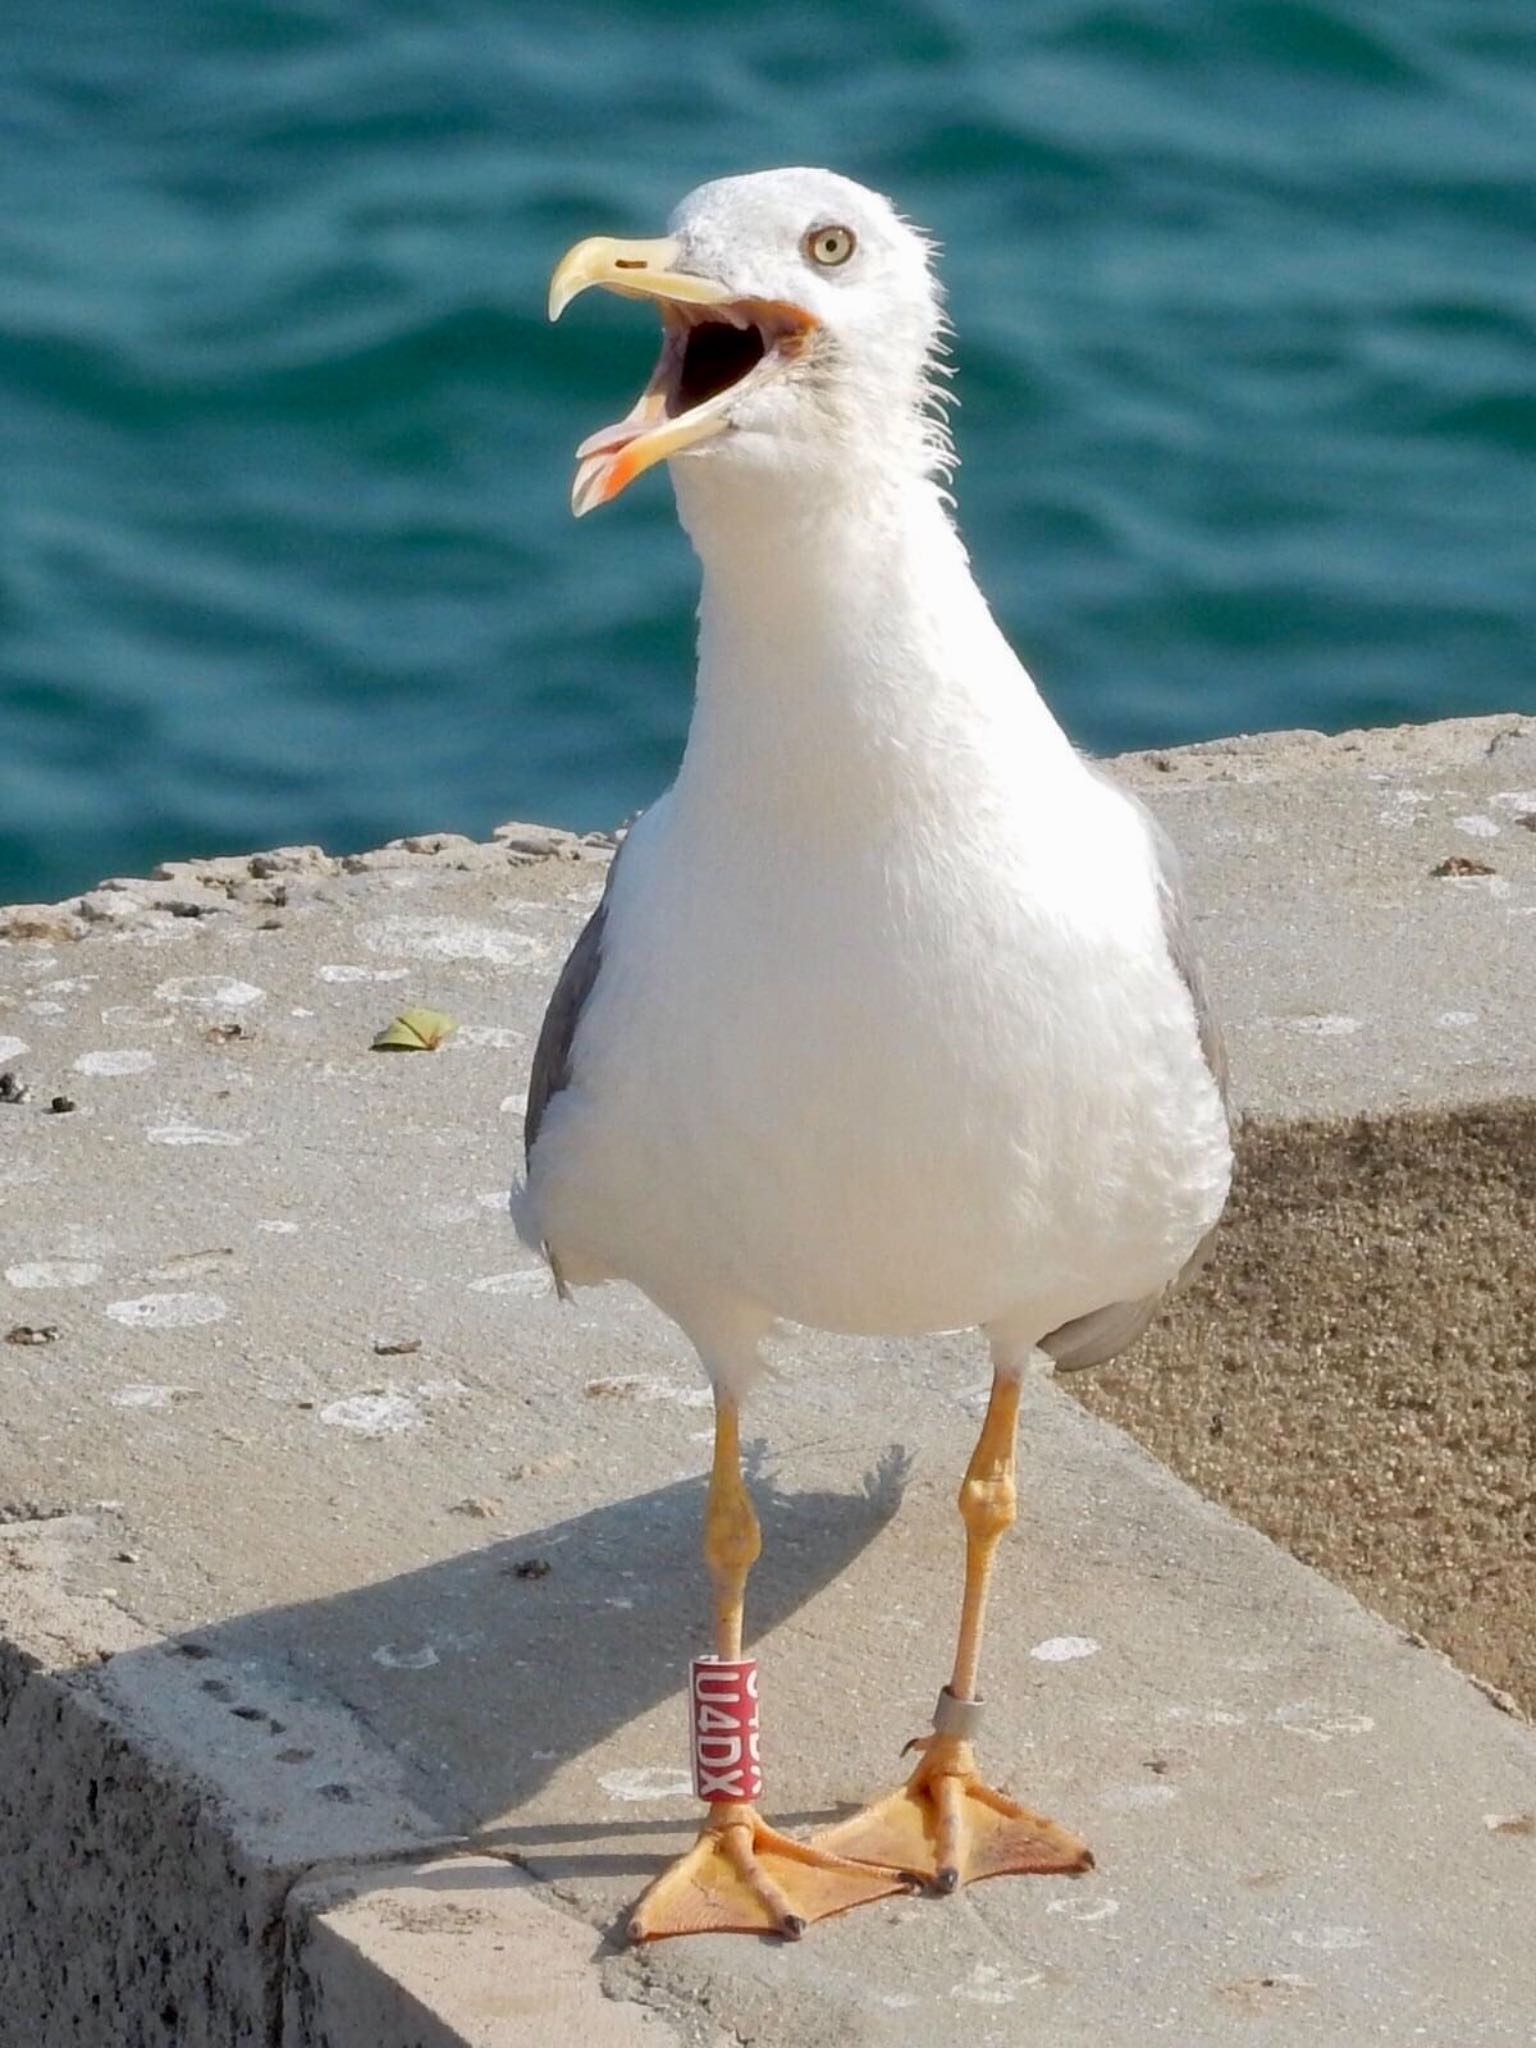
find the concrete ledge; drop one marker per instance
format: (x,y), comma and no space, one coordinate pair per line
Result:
(452,1954)
(157,1804)
(331,1541)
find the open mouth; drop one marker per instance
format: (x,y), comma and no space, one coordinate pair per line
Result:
(709,356)
(714,347)
(716,354)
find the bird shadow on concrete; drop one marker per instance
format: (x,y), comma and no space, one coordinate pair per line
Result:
(483,1674)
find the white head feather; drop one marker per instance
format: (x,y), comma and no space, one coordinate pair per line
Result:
(867,389)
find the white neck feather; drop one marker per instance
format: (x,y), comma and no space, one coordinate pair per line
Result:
(850,671)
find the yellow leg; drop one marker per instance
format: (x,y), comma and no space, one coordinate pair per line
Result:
(742,1876)
(989,1505)
(733,1538)
(945,1823)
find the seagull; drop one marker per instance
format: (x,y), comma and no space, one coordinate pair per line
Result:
(889,1020)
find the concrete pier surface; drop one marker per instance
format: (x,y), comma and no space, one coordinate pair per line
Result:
(347,1579)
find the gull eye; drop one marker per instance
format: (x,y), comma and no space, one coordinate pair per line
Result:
(830,246)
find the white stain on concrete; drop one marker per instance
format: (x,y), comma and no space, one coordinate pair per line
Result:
(343,973)
(1084,1911)
(635,1386)
(1458,1020)
(1406,806)
(1495,886)
(277,1226)
(1326,1026)
(42,1007)
(1064,1649)
(373,1415)
(514,1105)
(395,1659)
(143,1397)
(498,1198)
(70,984)
(1204,1717)
(1133,1798)
(1319,1722)
(1517,800)
(127,1017)
(449,938)
(655,1782)
(53,1273)
(211,992)
(1331,1940)
(523,1284)
(169,1311)
(1476,825)
(127,1060)
(192,1134)
(990,1984)
(12,1048)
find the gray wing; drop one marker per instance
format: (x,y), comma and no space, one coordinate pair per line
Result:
(1094,1338)
(557,1035)
(1182,951)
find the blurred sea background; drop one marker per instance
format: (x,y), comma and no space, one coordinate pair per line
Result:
(1245,294)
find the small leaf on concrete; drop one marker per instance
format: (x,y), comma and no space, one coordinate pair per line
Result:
(416,1031)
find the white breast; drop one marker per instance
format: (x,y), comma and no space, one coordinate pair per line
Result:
(894,1094)
(886,1035)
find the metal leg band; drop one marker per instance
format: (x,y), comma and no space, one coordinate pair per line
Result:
(956,1717)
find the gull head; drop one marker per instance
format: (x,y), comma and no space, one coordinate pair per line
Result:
(800,323)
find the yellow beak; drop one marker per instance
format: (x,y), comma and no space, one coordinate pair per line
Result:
(613,457)
(636,270)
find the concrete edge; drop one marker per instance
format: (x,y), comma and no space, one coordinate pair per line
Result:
(202,887)
(195,1882)
(457,1952)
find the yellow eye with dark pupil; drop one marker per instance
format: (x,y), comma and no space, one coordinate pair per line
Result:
(830,246)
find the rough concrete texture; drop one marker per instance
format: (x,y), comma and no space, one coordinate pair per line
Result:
(304,1409)
(459,1953)
(1356,1373)
(156,1807)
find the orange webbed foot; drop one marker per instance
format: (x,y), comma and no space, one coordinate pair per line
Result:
(744,1877)
(949,1828)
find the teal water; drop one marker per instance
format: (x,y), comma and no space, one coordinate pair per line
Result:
(1246,310)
